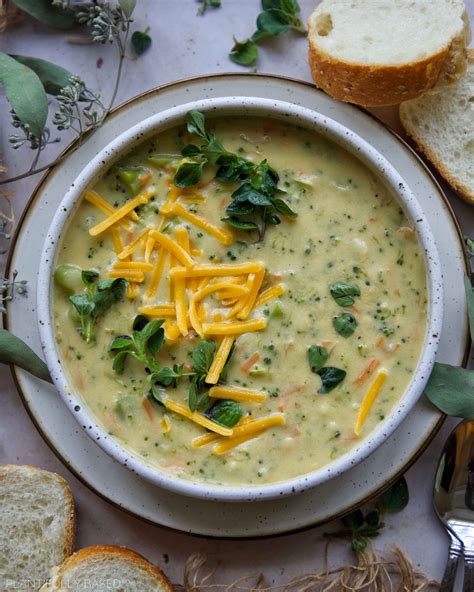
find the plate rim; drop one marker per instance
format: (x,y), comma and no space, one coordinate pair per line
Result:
(71,147)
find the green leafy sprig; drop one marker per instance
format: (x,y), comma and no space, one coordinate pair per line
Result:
(255,203)
(276,19)
(28,80)
(205,4)
(360,526)
(330,377)
(97,298)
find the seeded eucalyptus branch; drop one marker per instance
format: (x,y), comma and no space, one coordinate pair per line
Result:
(78,108)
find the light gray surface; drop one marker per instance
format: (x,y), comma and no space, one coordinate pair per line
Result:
(188,45)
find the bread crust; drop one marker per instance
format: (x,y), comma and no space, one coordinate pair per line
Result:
(378,85)
(109,552)
(463,190)
(6,470)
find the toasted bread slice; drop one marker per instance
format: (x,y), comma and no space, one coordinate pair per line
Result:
(36,525)
(383,52)
(441,122)
(107,567)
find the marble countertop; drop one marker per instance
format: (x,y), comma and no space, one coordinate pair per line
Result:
(185,44)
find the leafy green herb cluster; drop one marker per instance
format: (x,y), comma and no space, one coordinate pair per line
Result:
(144,344)
(96,300)
(254,203)
(330,376)
(277,18)
(360,527)
(344,294)
(205,4)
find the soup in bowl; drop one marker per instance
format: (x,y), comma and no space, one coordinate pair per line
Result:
(243,299)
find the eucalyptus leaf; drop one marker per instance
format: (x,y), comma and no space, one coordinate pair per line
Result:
(128,6)
(44,11)
(470,304)
(52,76)
(15,351)
(451,389)
(25,93)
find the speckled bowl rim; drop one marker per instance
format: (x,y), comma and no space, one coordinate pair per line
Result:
(296,115)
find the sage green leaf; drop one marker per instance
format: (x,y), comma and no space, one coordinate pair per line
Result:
(128,6)
(470,304)
(44,11)
(451,389)
(15,351)
(53,77)
(25,93)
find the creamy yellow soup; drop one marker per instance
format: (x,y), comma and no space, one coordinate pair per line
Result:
(348,230)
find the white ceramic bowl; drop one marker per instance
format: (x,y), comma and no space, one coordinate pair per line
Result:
(290,113)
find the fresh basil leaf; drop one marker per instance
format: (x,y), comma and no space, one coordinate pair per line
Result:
(196,123)
(240,224)
(202,356)
(451,390)
(89,277)
(396,498)
(193,394)
(227,413)
(141,42)
(188,174)
(343,293)
(128,6)
(25,93)
(52,76)
(15,351)
(121,342)
(118,365)
(345,324)
(354,520)
(317,356)
(470,304)
(273,21)
(330,378)
(191,150)
(282,207)
(244,52)
(44,11)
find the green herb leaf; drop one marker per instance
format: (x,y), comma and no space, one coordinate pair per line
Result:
(188,174)
(191,150)
(359,543)
(89,277)
(193,394)
(470,304)
(354,520)
(206,3)
(345,324)
(202,356)
(226,412)
(451,390)
(168,376)
(15,351)
(396,498)
(122,342)
(128,6)
(330,378)
(141,41)
(317,356)
(244,52)
(343,293)
(44,11)
(25,93)
(240,224)
(196,123)
(52,76)
(282,207)
(118,364)
(470,245)
(273,22)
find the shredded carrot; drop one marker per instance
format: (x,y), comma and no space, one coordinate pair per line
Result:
(148,408)
(250,361)
(369,368)
(326,343)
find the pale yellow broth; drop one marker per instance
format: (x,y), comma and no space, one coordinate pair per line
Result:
(349,228)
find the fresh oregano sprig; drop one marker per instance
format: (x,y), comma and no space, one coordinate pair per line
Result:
(277,18)
(205,4)
(255,203)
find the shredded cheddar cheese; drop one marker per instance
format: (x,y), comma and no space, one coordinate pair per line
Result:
(369,399)
(159,311)
(204,270)
(141,199)
(270,294)
(133,265)
(198,418)
(235,327)
(236,394)
(99,202)
(128,274)
(219,360)
(133,246)
(221,234)
(227,444)
(174,249)
(252,295)
(157,273)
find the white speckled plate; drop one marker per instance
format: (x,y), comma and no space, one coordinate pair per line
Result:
(119,485)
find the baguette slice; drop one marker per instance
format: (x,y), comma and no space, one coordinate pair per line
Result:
(36,525)
(441,122)
(107,567)
(383,52)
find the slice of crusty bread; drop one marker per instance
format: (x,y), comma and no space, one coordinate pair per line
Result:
(107,567)
(383,52)
(36,525)
(442,124)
